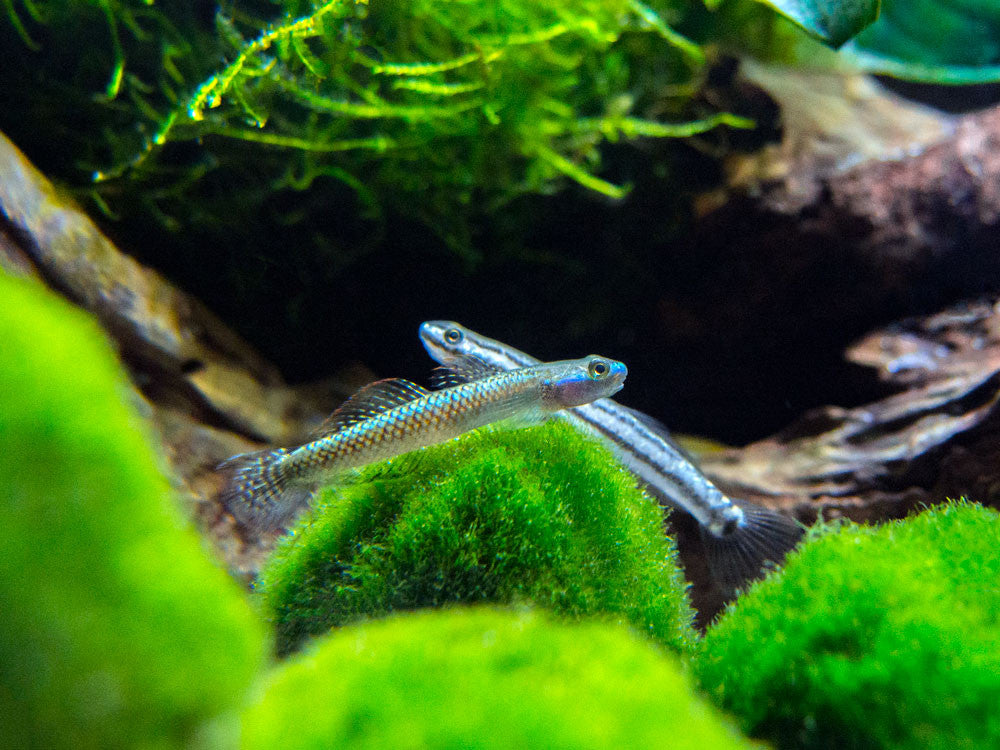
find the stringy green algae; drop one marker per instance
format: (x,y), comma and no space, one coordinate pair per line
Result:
(539,515)
(478,679)
(883,637)
(439,109)
(116,630)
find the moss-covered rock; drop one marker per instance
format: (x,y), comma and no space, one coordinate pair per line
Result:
(539,516)
(116,630)
(870,638)
(480,678)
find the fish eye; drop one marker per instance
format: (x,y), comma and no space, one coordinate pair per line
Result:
(598,369)
(453,336)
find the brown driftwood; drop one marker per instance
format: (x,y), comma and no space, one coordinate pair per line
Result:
(912,196)
(206,393)
(893,452)
(174,345)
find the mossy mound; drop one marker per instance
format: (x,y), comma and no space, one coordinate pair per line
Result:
(870,638)
(480,678)
(116,630)
(538,515)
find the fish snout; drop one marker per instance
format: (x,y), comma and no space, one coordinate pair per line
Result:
(618,374)
(442,336)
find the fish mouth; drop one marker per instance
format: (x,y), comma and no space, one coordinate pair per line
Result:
(431,329)
(618,377)
(616,385)
(431,333)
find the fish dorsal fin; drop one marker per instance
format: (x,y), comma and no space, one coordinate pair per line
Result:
(370,401)
(461,370)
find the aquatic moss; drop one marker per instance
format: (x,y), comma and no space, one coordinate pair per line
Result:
(441,110)
(116,630)
(539,515)
(881,637)
(480,678)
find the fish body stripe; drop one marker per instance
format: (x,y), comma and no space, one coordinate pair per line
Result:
(641,449)
(438,416)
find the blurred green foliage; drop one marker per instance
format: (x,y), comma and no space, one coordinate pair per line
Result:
(883,637)
(539,516)
(117,631)
(830,21)
(483,678)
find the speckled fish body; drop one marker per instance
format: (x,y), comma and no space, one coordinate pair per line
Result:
(740,537)
(392,417)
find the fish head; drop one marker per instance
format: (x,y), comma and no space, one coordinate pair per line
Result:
(577,382)
(446,339)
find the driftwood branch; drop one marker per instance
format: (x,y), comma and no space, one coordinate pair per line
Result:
(205,391)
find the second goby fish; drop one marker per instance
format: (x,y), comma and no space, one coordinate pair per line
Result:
(391,417)
(740,537)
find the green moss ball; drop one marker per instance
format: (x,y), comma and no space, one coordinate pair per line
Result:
(480,678)
(115,628)
(881,637)
(538,515)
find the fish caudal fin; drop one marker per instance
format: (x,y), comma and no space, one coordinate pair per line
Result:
(757,544)
(258,492)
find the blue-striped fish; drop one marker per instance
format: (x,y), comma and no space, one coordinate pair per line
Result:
(741,538)
(391,417)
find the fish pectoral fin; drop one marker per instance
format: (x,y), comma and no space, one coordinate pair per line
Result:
(371,401)
(529,418)
(459,370)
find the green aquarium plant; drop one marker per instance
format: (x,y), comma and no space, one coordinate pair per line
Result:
(537,516)
(483,678)
(883,637)
(440,109)
(443,111)
(116,628)
(934,41)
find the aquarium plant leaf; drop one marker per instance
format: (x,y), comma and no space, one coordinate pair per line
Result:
(831,21)
(934,41)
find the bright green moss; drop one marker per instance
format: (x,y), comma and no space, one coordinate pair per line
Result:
(116,630)
(439,110)
(480,678)
(871,638)
(539,516)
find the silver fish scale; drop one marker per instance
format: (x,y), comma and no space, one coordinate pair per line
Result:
(436,417)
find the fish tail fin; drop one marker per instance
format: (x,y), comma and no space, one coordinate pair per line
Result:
(755,545)
(258,491)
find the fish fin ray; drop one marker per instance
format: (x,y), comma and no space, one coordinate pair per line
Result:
(459,370)
(257,490)
(528,418)
(370,401)
(758,544)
